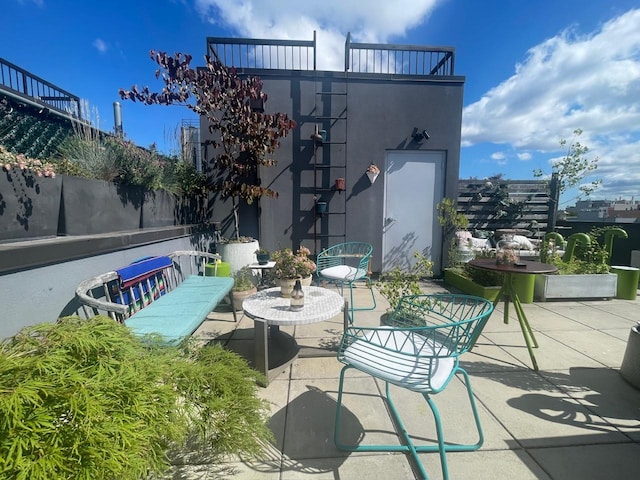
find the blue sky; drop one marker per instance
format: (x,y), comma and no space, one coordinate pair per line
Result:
(535,70)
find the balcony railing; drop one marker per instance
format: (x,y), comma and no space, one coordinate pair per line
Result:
(398,59)
(15,80)
(264,54)
(359,57)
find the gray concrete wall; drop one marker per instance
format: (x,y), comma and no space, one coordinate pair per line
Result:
(42,294)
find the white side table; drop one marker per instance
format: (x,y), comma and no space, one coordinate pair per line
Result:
(269,310)
(261,268)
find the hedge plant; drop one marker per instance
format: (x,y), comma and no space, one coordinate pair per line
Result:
(86,399)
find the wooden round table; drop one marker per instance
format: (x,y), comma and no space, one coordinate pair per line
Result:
(508,293)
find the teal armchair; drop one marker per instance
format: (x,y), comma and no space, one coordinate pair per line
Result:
(418,350)
(347,264)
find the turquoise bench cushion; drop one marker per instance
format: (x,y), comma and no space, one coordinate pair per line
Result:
(180,312)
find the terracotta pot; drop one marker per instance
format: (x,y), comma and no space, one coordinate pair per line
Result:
(238,297)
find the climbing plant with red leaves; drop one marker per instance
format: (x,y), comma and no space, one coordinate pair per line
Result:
(243,139)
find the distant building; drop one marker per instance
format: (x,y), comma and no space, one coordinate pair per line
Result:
(620,210)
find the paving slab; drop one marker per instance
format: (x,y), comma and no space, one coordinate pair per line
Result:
(537,413)
(598,346)
(590,462)
(574,419)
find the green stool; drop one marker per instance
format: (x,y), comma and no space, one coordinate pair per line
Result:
(523,284)
(628,277)
(224,270)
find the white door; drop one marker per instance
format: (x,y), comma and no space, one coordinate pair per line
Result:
(414,185)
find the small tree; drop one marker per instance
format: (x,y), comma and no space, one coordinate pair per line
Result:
(574,167)
(243,136)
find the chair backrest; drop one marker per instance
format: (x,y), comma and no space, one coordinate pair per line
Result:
(452,320)
(355,254)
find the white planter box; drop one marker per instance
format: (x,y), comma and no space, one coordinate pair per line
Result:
(238,255)
(575,286)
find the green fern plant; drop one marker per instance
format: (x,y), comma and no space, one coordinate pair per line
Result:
(87,399)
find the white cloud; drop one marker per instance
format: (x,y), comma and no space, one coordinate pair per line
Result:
(569,81)
(100,45)
(367,20)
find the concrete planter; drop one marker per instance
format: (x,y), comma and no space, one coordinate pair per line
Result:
(29,205)
(94,206)
(630,368)
(159,209)
(465,285)
(549,287)
(238,254)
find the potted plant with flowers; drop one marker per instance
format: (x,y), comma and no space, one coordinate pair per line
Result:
(304,265)
(292,266)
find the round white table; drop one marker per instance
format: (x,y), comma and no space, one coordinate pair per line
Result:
(269,310)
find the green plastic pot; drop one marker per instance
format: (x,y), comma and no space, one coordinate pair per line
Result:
(627,286)
(224,270)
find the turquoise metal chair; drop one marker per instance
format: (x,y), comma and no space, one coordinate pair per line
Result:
(418,350)
(346,264)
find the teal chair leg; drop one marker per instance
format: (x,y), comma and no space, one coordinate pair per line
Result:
(373,297)
(409,446)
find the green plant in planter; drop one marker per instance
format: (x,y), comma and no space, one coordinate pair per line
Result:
(243,280)
(262,255)
(397,283)
(86,399)
(588,253)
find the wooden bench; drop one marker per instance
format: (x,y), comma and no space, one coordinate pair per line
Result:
(166,295)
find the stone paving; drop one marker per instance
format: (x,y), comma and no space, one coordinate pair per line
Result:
(575,418)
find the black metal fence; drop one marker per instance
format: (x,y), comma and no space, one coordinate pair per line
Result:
(264,54)
(398,59)
(19,83)
(359,57)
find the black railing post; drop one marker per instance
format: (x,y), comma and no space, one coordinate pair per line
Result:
(554,199)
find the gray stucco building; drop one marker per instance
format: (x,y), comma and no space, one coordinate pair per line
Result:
(396,106)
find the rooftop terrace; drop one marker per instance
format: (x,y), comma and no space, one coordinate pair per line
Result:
(576,418)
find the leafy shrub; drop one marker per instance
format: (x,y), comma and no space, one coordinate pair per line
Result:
(397,282)
(84,154)
(9,160)
(87,399)
(587,259)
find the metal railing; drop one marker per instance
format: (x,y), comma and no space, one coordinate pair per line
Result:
(398,59)
(359,57)
(16,80)
(264,54)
